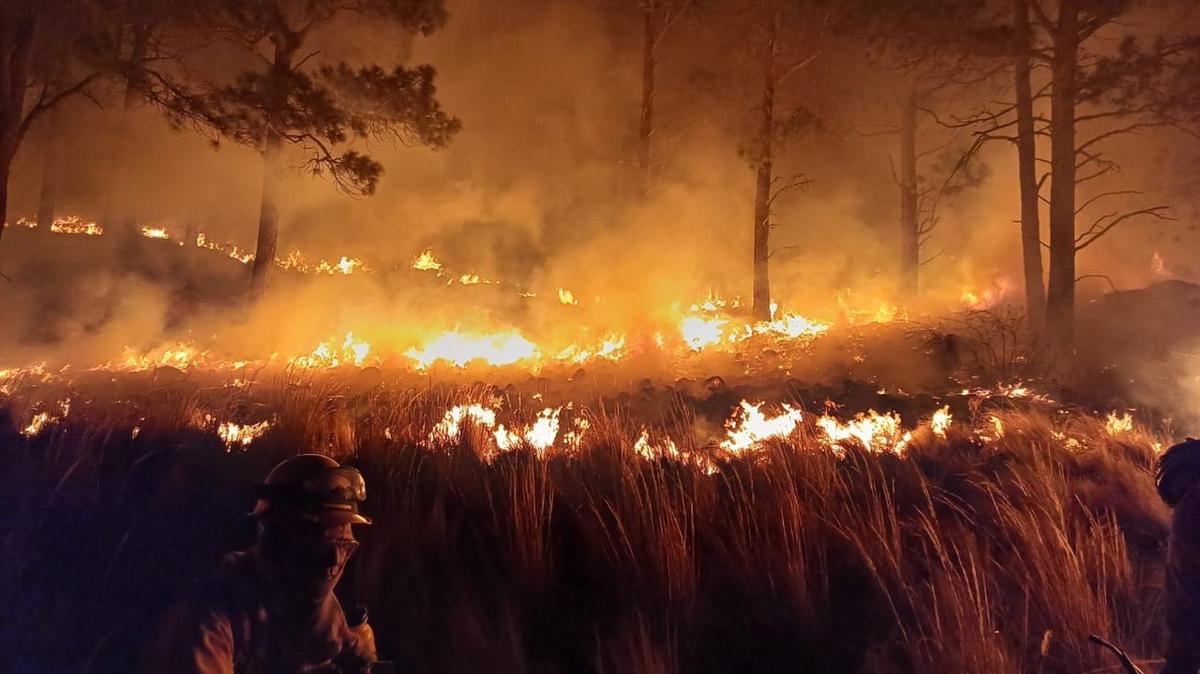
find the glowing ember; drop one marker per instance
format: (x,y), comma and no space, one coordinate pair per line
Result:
(873,431)
(460,348)
(749,427)
(1118,424)
(75,225)
(241,434)
(940,422)
(427,262)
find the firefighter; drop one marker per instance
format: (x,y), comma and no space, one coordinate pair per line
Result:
(271,609)
(1177,476)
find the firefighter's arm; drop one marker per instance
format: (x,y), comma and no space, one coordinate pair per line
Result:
(192,639)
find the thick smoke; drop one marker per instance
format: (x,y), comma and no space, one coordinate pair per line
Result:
(539,191)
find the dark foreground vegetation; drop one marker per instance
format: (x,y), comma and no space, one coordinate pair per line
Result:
(998,548)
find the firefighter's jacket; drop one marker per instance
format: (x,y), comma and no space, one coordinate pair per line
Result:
(231,625)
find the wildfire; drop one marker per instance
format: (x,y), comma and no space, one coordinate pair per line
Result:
(940,422)
(155,233)
(427,262)
(567,297)
(449,429)
(1117,425)
(75,225)
(229,250)
(653,451)
(179,355)
(241,434)
(44,418)
(612,348)
(344,266)
(790,326)
(987,298)
(749,427)
(460,348)
(699,332)
(540,435)
(331,354)
(880,433)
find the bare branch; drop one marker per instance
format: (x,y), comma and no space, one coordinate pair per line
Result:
(1105,224)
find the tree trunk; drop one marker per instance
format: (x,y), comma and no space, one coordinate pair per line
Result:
(647,125)
(1031,226)
(118,220)
(268,216)
(286,45)
(761,307)
(5,166)
(1060,301)
(910,226)
(51,165)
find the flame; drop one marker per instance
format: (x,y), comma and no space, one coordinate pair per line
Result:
(880,433)
(540,435)
(44,418)
(229,250)
(460,348)
(155,233)
(612,348)
(427,262)
(330,354)
(1118,424)
(651,451)
(75,225)
(1159,267)
(344,266)
(449,429)
(749,428)
(791,326)
(997,426)
(178,355)
(567,297)
(241,434)
(699,332)
(940,422)
(987,298)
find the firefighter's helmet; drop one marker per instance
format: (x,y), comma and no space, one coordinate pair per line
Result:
(315,488)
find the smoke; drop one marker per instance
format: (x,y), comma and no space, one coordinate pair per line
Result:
(539,192)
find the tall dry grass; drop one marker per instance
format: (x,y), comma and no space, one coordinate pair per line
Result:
(968,554)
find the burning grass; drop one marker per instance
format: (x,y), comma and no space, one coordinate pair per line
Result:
(986,534)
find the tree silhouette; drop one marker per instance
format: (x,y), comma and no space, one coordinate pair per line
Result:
(298,111)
